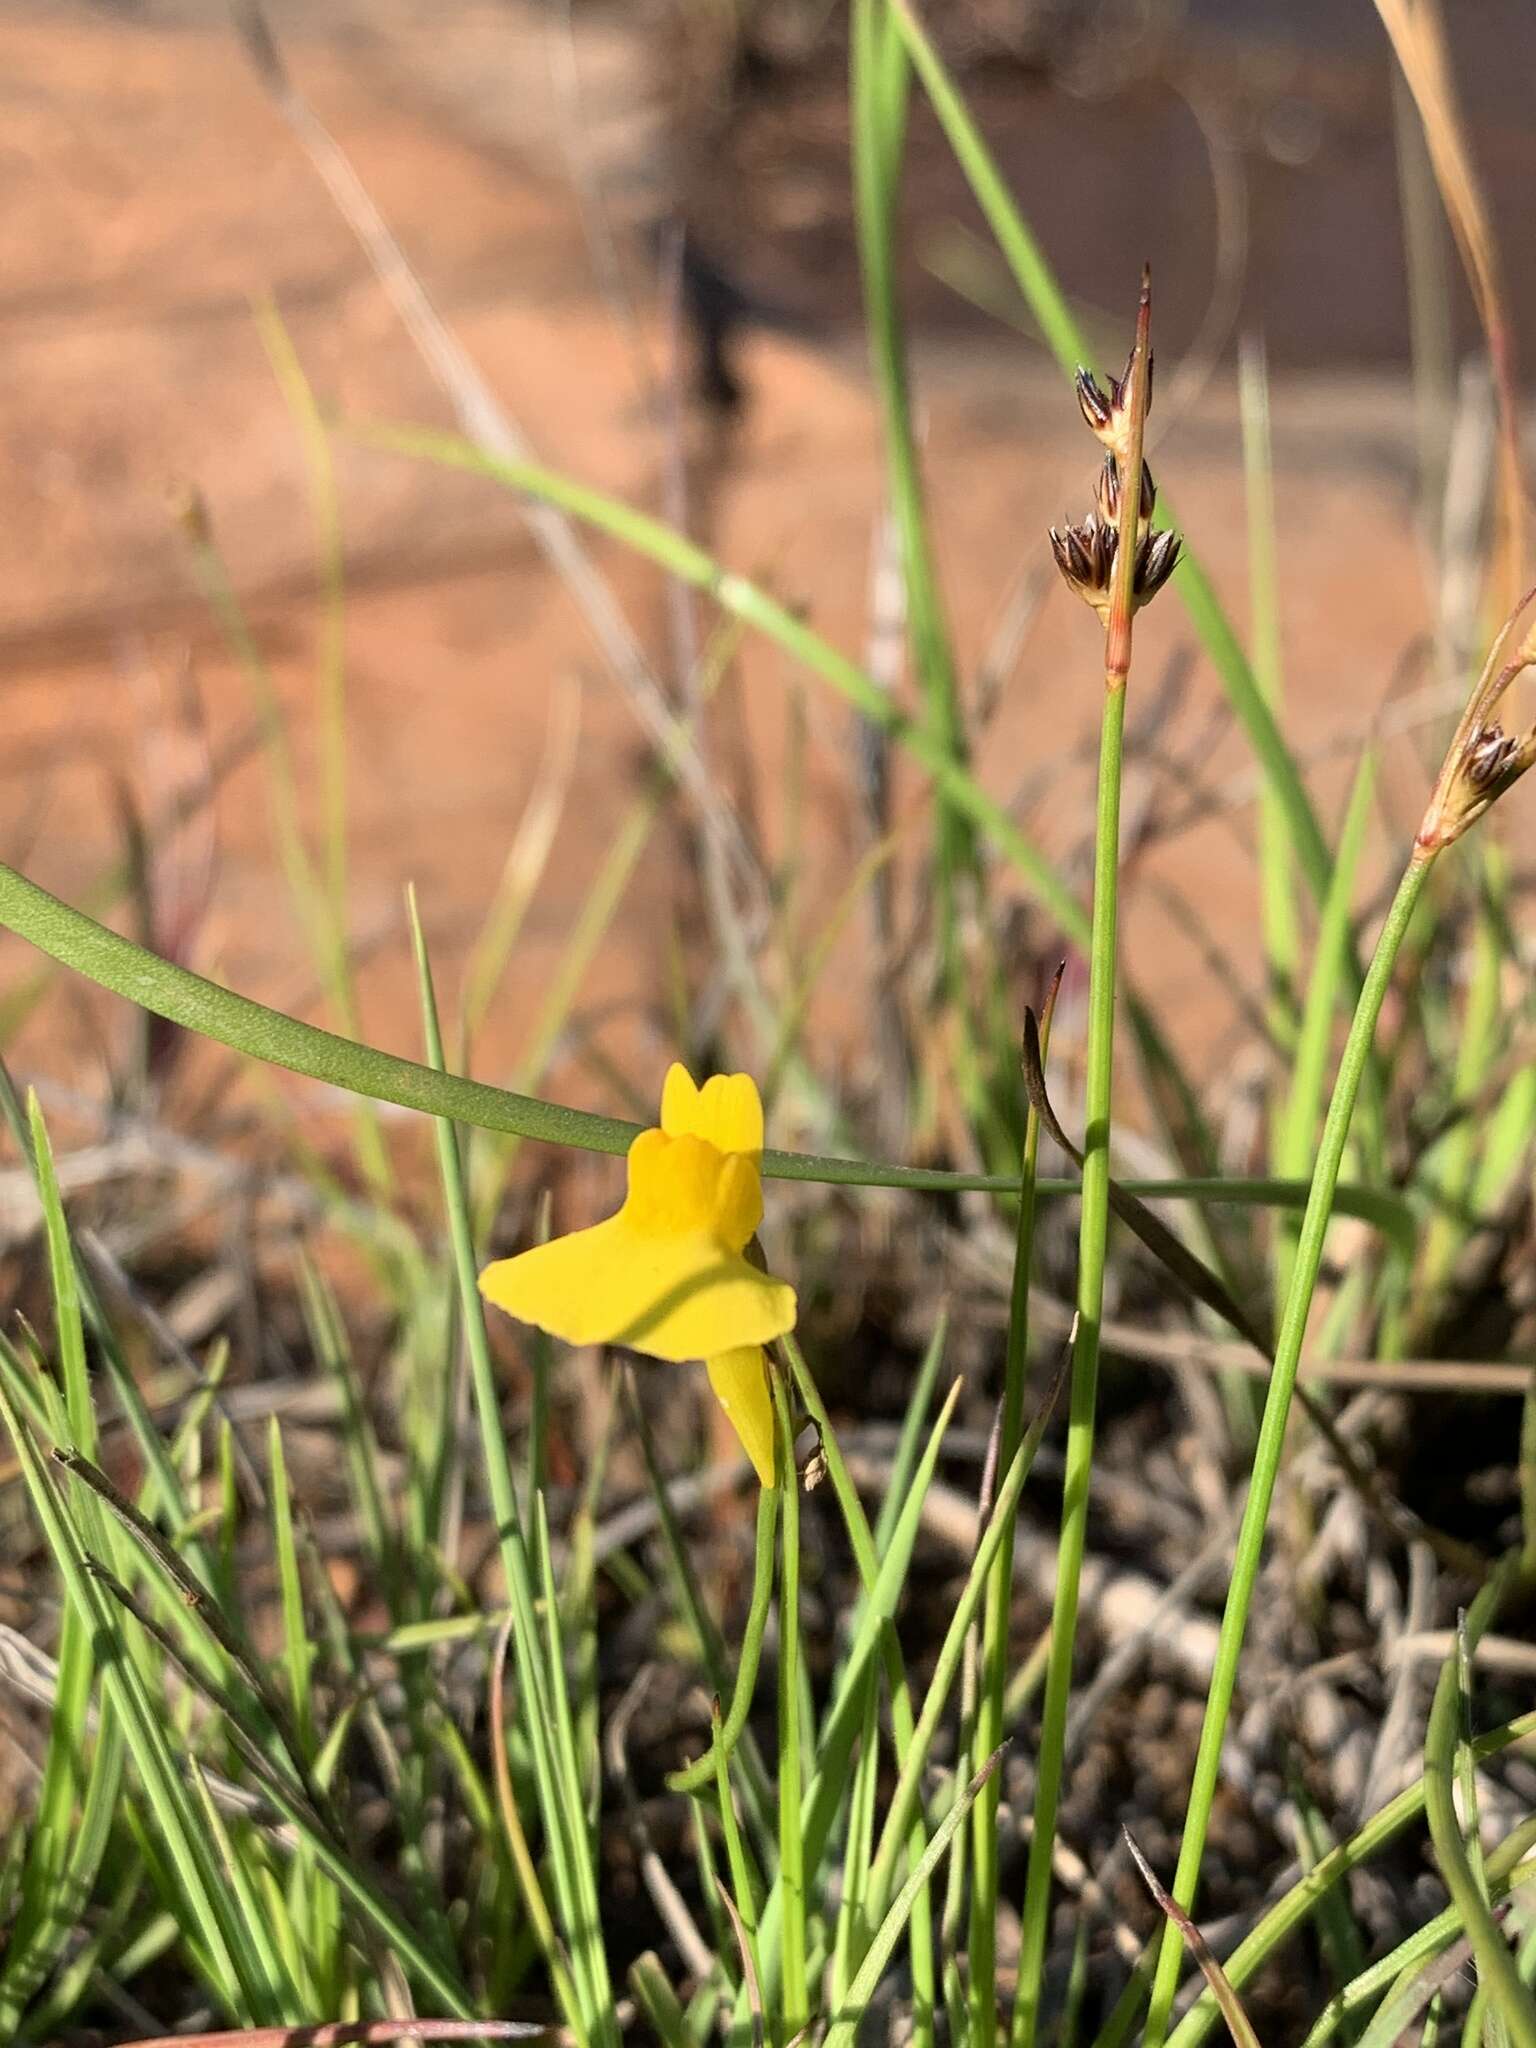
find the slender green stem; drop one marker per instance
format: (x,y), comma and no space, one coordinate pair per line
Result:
(1092,1242)
(1266,1457)
(999,1601)
(1278,918)
(1290,1913)
(879,89)
(1499,1977)
(903,1811)
(1093,1218)
(743,1887)
(727,1732)
(870,1567)
(1068,344)
(215,1012)
(796,2008)
(844,2029)
(545,1710)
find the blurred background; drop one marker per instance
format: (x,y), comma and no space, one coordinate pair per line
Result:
(636,222)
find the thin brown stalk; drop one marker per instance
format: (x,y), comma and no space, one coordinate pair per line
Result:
(1418,38)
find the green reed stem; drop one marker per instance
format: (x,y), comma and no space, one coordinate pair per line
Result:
(794,1975)
(1498,1975)
(1068,344)
(727,1732)
(1289,1914)
(1267,1452)
(1093,1216)
(1092,1244)
(879,91)
(216,1012)
(988,1732)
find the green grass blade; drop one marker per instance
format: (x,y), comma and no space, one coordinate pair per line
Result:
(1047,303)
(745,1888)
(1508,1992)
(198,1885)
(924,1978)
(904,1799)
(1305,1100)
(878,89)
(1093,1238)
(909,1441)
(756,1789)
(844,1717)
(71,1822)
(298,1652)
(794,1906)
(276,1995)
(1278,920)
(842,2032)
(203,1006)
(852,1933)
(999,1599)
(728,1732)
(564,1819)
(1338,1933)
(690,564)
(1452,1166)
(1267,1453)
(1291,1913)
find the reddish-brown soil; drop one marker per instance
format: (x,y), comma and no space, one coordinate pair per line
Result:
(154,193)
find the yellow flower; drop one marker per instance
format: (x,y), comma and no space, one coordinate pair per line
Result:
(667,1275)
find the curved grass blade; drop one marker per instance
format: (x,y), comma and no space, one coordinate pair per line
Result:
(1191,1273)
(1289,1914)
(1498,1972)
(1238,2022)
(249,1027)
(844,2029)
(726,1731)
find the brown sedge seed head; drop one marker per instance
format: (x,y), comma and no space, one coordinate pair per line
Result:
(1107,494)
(1483,760)
(1105,412)
(1476,774)
(1085,555)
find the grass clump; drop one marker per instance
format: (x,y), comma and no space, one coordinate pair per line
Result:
(447,1719)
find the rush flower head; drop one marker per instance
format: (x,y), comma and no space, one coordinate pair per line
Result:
(1105,412)
(668,1274)
(1085,555)
(1107,496)
(1483,759)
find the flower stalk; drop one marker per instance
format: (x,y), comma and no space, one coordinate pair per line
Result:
(1128,564)
(1480,764)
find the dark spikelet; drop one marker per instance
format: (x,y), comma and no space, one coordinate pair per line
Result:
(1085,555)
(1490,756)
(1096,407)
(1156,561)
(1106,545)
(1108,492)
